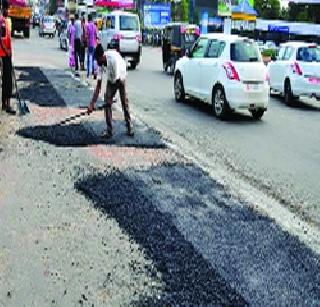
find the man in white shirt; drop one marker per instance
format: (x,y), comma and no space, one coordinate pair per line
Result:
(115,67)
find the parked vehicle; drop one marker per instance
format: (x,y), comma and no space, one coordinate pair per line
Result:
(63,37)
(226,71)
(20,14)
(35,20)
(123,34)
(177,38)
(296,71)
(47,26)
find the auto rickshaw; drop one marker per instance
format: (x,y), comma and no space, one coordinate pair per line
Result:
(176,39)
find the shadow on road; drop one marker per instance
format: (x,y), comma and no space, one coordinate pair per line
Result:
(233,117)
(305,106)
(35,87)
(192,230)
(189,278)
(300,105)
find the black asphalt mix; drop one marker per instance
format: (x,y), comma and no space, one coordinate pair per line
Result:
(205,243)
(35,87)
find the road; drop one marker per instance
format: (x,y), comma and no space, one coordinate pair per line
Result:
(279,155)
(135,220)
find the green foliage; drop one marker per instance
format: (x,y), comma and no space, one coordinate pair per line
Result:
(302,16)
(180,10)
(305,13)
(52,7)
(268,9)
(184,4)
(284,14)
(196,16)
(269,53)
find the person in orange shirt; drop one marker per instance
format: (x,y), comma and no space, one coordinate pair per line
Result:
(5,54)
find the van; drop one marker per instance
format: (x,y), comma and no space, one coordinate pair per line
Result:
(121,31)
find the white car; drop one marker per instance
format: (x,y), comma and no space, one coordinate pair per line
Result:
(122,32)
(47,26)
(226,71)
(296,71)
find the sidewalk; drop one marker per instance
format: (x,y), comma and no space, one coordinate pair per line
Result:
(129,221)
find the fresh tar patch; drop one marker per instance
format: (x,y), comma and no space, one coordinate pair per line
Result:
(209,247)
(35,87)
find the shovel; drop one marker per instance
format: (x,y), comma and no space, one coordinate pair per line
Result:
(21,104)
(73,118)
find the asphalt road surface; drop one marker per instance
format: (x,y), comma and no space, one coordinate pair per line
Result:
(279,155)
(108,228)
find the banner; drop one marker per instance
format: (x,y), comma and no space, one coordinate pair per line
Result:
(156,14)
(128,4)
(225,6)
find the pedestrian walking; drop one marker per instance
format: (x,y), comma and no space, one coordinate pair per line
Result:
(77,43)
(83,42)
(5,54)
(71,37)
(115,67)
(91,30)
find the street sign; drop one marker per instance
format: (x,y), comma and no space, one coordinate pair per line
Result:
(275,28)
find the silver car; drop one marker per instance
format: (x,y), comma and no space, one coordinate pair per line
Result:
(47,26)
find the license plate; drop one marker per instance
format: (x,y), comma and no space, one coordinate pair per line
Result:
(252,87)
(314,80)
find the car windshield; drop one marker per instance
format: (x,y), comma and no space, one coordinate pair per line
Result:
(308,54)
(48,19)
(244,51)
(129,23)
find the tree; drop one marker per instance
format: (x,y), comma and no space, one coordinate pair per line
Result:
(268,9)
(180,10)
(52,7)
(184,10)
(284,14)
(307,13)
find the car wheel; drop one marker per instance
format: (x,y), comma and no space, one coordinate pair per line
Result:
(257,114)
(179,92)
(133,65)
(26,33)
(219,102)
(289,99)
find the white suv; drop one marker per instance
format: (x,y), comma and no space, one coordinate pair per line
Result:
(122,32)
(296,71)
(226,71)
